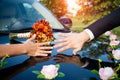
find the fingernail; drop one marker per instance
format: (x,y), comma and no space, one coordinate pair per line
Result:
(74,54)
(58,50)
(52,47)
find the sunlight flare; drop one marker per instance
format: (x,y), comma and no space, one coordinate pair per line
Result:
(73,6)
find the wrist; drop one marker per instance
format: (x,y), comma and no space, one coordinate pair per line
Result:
(85,36)
(25,50)
(18,49)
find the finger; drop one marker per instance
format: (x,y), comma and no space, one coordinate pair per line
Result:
(45,52)
(76,50)
(43,43)
(60,44)
(61,40)
(58,61)
(45,48)
(40,54)
(63,48)
(63,34)
(59,56)
(33,37)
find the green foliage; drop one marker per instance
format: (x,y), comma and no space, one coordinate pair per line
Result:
(58,7)
(95,71)
(36,72)
(40,76)
(57,65)
(116,79)
(3,62)
(91,9)
(117,67)
(60,74)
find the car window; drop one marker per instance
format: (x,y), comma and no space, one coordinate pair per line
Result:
(31,12)
(16,16)
(7,14)
(20,15)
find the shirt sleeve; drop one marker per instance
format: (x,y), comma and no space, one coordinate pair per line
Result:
(89,32)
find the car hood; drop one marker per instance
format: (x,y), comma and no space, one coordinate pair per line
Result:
(4,39)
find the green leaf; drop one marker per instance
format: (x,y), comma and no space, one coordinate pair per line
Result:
(60,74)
(5,63)
(95,71)
(40,76)
(115,79)
(36,72)
(57,65)
(2,64)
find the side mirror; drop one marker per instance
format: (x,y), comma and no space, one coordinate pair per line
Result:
(66,22)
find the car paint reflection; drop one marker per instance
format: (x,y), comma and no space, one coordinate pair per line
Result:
(75,61)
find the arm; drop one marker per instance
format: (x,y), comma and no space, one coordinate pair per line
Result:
(77,40)
(105,24)
(29,48)
(15,49)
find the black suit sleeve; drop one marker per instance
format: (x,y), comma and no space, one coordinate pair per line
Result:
(105,24)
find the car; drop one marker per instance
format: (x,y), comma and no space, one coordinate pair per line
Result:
(67,22)
(18,16)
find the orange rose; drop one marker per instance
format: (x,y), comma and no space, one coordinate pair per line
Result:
(43,31)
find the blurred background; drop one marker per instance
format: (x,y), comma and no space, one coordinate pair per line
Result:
(82,12)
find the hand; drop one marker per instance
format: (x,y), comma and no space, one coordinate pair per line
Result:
(74,59)
(72,40)
(37,49)
(35,60)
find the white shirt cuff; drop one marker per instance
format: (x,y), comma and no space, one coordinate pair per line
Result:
(90,34)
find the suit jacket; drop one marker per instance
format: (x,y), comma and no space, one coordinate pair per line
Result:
(105,24)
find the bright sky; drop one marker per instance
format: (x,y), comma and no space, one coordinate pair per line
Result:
(73,6)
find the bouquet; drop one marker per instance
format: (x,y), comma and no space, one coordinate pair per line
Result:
(43,31)
(41,28)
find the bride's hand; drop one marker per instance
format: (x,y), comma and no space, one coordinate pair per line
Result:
(37,49)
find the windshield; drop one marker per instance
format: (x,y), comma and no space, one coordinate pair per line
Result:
(16,16)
